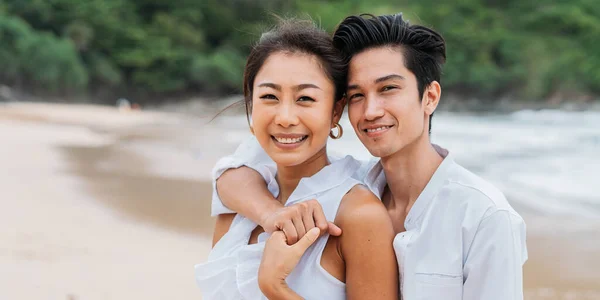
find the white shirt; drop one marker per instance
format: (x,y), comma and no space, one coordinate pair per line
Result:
(231,271)
(462,241)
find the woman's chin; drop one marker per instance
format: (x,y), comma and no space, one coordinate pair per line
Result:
(288,160)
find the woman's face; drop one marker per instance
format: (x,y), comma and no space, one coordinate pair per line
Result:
(292,107)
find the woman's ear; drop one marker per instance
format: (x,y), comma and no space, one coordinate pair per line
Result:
(338,110)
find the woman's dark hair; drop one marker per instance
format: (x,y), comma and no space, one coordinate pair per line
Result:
(295,36)
(423,48)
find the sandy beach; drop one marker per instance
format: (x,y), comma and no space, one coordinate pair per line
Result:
(99,203)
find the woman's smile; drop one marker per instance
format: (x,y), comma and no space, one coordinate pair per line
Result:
(289,141)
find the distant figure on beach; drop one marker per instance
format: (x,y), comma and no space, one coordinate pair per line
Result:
(125,105)
(456,236)
(294,82)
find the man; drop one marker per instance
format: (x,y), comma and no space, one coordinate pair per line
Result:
(457,236)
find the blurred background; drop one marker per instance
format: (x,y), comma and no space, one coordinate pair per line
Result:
(108,138)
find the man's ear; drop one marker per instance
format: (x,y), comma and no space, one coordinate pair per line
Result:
(431,97)
(338,110)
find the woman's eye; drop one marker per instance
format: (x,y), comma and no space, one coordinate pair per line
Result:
(304,98)
(268,97)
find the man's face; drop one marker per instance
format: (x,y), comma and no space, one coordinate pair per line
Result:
(384,105)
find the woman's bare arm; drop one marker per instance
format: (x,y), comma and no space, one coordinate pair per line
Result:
(367,247)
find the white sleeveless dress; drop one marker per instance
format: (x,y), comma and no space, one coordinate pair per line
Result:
(231,271)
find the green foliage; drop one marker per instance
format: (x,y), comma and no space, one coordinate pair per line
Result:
(524,48)
(39,58)
(224,65)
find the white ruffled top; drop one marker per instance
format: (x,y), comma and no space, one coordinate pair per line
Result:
(231,271)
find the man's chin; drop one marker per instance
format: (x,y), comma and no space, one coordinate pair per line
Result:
(379,152)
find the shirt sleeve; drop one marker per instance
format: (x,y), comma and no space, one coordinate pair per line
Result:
(493,268)
(249,154)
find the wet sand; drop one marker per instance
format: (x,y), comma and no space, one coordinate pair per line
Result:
(87,211)
(564,259)
(102,204)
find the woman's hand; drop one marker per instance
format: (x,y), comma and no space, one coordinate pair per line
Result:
(278,261)
(295,220)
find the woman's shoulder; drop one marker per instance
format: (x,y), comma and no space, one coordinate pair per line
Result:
(360,206)
(365,223)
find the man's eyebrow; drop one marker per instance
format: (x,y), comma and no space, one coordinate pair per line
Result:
(389,77)
(352,87)
(378,80)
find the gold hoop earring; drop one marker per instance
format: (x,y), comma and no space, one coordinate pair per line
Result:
(340,132)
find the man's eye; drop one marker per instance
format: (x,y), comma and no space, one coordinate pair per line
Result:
(354,96)
(388,87)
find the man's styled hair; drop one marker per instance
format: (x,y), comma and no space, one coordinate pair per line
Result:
(423,48)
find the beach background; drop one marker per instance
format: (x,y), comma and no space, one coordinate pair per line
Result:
(102,203)
(107,136)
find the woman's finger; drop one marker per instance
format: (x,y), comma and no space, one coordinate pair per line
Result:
(306,241)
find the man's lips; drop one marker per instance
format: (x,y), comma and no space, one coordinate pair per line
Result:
(376,130)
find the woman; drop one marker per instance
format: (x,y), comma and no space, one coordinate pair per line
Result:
(294,82)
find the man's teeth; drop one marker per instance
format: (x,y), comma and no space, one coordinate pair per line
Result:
(378,129)
(289,140)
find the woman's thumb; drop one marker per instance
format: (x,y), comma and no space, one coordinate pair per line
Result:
(308,239)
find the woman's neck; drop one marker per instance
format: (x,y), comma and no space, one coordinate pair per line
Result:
(288,177)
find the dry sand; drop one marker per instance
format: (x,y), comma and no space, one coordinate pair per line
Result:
(102,204)
(88,211)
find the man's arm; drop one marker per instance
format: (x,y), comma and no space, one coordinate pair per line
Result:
(244,190)
(494,265)
(243,183)
(248,155)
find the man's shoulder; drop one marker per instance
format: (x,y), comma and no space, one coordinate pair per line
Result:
(476,195)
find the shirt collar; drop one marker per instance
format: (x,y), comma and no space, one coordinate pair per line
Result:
(376,181)
(414,218)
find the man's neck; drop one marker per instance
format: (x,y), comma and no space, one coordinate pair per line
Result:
(408,171)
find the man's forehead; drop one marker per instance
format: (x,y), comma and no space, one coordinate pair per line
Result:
(377,61)
(374,73)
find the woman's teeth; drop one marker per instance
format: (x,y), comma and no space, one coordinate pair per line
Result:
(289,140)
(378,129)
